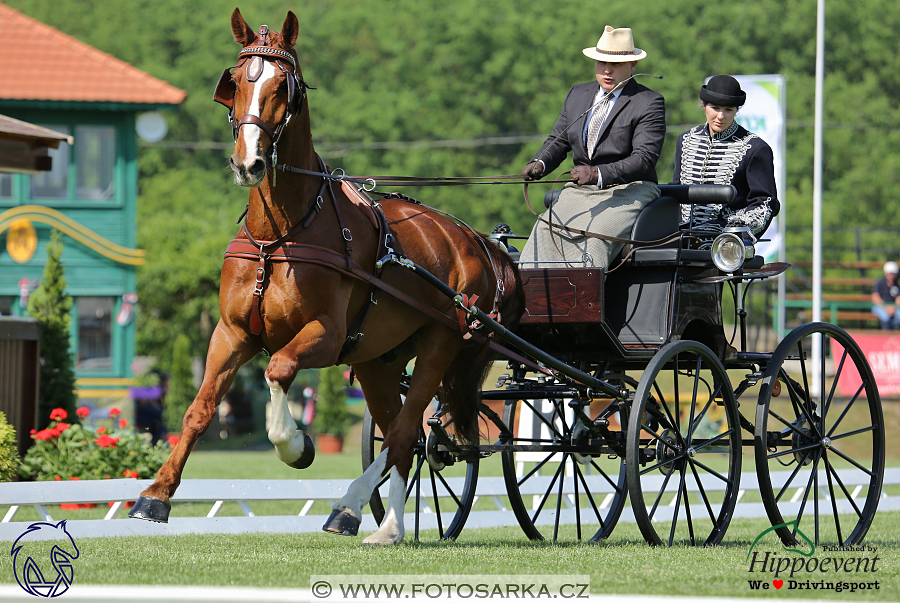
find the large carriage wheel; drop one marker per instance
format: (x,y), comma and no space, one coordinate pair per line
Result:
(555,475)
(441,502)
(819,443)
(683,453)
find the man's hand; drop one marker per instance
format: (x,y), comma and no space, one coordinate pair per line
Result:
(585,174)
(533,171)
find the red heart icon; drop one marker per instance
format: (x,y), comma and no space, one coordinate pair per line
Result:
(778,583)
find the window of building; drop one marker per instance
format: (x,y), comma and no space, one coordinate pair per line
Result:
(55,183)
(6,191)
(94,333)
(95,161)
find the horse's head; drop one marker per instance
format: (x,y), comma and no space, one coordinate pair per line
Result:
(263,93)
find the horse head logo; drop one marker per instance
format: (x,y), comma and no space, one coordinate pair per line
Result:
(35,576)
(812,547)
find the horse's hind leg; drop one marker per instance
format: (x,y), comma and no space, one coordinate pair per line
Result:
(228,350)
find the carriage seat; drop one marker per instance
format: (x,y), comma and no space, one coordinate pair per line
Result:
(661,218)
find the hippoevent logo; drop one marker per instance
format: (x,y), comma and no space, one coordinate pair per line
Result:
(41,573)
(803,570)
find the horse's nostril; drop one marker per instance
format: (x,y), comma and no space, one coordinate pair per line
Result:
(257,168)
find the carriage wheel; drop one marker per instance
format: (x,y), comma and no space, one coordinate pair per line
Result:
(683,453)
(555,475)
(441,487)
(819,442)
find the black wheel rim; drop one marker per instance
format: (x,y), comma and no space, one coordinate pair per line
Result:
(683,454)
(819,442)
(431,496)
(550,483)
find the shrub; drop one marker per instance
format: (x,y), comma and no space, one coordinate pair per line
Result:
(9,455)
(66,451)
(331,404)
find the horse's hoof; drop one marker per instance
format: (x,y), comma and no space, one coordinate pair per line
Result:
(342,522)
(309,454)
(151,509)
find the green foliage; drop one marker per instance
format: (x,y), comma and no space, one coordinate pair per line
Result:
(331,403)
(65,451)
(9,455)
(433,79)
(181,384)
(50,305)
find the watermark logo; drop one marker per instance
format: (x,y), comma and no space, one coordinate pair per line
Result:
(805,571)
(40,573)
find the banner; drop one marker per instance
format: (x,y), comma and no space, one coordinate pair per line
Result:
(882,351)
(764,114)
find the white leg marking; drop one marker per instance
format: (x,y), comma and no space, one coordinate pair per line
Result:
(283,430)
(360,491)
(392,530)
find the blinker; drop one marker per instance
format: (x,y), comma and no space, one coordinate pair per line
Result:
(225,90)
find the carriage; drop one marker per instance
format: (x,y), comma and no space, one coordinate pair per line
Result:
(631,389)
(621,384)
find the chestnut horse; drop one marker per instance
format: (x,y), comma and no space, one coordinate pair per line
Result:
(287,288)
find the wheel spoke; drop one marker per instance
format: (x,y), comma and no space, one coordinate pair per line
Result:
(855,432)
(713,440)
(542,418)
(827,405)
(658,437)
(590,497)
(791,426)
(837,519)
(449,491)
(614,485)
(696,422)
(677,507)
(559,496)
(687,509)
(662,491)
(690,427)
(547,495)
(792,450)
(854,463)
(712,472)
(437,504)
(702,491)
(837,478)
(528,475)
(665,462)
(806,497)
(790,480)
(847,408)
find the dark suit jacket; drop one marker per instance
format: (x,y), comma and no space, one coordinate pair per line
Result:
(630,140)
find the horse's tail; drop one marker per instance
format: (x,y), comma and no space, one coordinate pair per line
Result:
(461,386)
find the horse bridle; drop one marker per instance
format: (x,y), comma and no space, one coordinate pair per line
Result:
(296,88)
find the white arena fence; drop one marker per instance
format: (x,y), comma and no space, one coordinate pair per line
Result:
(217,492)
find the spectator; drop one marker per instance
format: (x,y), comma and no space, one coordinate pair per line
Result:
(884,298)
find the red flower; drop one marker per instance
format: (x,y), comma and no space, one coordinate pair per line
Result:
(75,479)
(58,478)
(83,412)
(33,431)
(101,430)
(61,427)
(173,440)
(123,423)
(130,473)
(46,434)
(104,441)
(114,412)
(58,414)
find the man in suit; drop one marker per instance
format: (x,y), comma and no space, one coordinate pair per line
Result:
(615,129)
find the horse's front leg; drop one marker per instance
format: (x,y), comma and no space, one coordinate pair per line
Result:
(315,345)
(229,349)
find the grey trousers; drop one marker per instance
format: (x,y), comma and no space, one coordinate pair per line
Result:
(608,211)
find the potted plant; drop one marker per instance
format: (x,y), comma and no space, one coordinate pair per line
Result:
(332,419)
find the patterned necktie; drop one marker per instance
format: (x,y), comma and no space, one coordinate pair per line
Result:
(596,123)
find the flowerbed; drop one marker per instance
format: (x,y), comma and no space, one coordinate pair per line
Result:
(67,451)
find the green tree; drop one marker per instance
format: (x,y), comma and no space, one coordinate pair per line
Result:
(181,384)
(9,455)
(51,306)
(331,403)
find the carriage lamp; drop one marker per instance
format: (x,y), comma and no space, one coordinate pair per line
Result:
(732,248)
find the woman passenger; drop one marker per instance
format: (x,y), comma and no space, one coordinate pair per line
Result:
(722,152)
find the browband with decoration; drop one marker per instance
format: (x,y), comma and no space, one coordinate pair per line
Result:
(267,51)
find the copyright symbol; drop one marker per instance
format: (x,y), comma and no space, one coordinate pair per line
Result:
(321,589)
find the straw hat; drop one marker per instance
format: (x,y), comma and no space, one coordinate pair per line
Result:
(615,46)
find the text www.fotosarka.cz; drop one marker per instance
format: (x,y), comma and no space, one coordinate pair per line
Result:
(447,587)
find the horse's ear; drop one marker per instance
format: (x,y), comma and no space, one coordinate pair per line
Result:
(243,33)
(290,30)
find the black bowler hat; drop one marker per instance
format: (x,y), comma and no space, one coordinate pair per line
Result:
(723,90)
